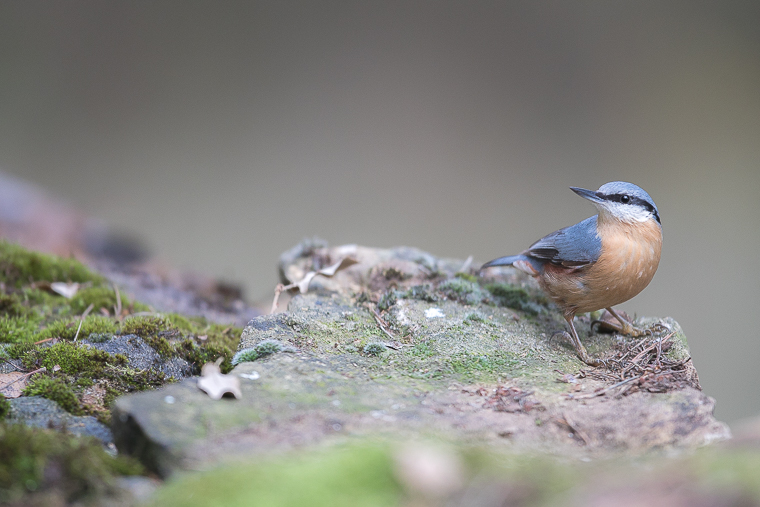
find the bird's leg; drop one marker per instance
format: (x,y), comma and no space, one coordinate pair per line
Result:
(579,348)
(625,326)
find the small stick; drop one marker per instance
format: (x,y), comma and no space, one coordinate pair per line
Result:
(84,315)
(277,291)
(382,324)
(606,389)
(117,308)
(575,429)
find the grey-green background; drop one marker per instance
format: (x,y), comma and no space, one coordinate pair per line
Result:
(224,132)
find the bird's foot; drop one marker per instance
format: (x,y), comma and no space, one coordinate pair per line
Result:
(629,329)
(580,350)
(614,322)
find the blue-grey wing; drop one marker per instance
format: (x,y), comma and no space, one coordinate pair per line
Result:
(574,246)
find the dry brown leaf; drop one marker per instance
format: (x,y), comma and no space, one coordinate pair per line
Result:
(12,384)
(214,383)
(67,290)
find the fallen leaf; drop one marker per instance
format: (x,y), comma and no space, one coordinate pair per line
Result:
(67,290)
(12,384)
(214,383)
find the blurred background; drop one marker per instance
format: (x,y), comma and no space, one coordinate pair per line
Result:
(222,133)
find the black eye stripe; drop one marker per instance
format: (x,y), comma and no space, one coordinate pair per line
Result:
(633,200)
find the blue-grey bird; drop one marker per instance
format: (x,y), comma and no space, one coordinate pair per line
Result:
(600,262)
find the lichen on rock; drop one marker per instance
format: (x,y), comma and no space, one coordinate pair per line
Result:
(402,344)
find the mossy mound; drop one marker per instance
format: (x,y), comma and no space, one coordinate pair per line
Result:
(44,467)
(20,267)
(43,329)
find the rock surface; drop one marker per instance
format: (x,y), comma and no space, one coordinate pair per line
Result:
(397,345)
(39,412)
(141,356)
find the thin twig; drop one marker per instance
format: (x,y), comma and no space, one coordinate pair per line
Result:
(117,308)
(84,316)
(382,324)
(605,390)
(277,291)
(575,429)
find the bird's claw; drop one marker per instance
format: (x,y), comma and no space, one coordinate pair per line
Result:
(580,350)
(628,329)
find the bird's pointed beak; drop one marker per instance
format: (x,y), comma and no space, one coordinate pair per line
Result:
(588,194)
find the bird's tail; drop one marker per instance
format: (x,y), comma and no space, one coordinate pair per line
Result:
(503,261)
(529,265)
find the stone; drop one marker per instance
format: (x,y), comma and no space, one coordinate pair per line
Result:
(142,356)
(445,359)
(39,412)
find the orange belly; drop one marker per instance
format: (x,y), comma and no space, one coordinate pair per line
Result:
(629,258)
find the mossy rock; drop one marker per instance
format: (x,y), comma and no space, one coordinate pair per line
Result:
(55,468)
(43,329)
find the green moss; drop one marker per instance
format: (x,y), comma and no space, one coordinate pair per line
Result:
(192,339)
(420,292)
(19,267)
(126,379)
(422,349)
(17,329)
(17,350)
(35,462)
(512,296)
(161,345)
(374,349)
(66,329)
(245,356)
(335,477)
(74,359)
(465,291)
(84,382)
(466,276)
(387,300)
(185,324)
(98,297)
(5,407)
(54,389)
(29,314)
(42,303)
(262,349)
(482,366)
(99,337)
(12,306)
(144,326)
(474,317)
(198,356)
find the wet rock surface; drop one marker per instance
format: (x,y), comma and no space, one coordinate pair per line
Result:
(400,345)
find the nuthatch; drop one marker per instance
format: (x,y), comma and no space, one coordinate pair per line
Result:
(600,262)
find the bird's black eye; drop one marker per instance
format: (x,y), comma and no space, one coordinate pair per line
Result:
(625,199)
